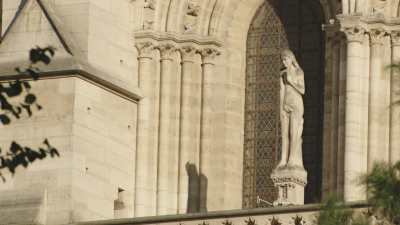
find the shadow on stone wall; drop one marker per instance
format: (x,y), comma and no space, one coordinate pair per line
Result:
(197,190)
(17,101)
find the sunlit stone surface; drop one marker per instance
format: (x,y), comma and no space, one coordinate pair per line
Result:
(161,106)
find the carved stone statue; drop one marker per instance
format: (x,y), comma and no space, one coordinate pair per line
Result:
(290,176)
(291,110)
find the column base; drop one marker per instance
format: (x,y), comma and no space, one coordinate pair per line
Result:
(290,181)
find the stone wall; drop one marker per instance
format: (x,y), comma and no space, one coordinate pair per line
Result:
(96,164)
(183,65)
(46,184)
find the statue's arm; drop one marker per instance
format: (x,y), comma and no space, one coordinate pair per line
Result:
(300,84)
(282,88)
(297,82)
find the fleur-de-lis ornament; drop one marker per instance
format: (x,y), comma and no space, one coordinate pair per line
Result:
(250,221)
(298,220)
(275,221)
(227,222)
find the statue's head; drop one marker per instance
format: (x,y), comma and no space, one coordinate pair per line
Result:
(288,58)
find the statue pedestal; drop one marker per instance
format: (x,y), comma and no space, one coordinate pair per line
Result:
(290,182)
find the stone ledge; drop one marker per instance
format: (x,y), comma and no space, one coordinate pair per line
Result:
(219,214)
(84,75)
(178,38)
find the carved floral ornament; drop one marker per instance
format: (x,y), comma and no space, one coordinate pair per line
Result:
(145,49)
(209,54)
(167,50)
(193,8)
(289,180)
(188,51)
(149,14)
(377,36)
(395,37)
(296,220)
(354,34)
(191,16)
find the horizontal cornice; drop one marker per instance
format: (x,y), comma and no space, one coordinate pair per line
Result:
(220,214)
(81,74)
(178,38)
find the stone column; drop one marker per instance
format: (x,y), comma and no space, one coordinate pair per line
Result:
(395,100)
(353,158)
(164,201)
(377,143)
(189,134)
(341,116)
(146,167)
(330,148)
(206,130)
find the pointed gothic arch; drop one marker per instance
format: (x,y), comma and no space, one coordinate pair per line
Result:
(275,26)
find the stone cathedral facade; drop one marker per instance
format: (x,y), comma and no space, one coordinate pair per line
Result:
(165,107)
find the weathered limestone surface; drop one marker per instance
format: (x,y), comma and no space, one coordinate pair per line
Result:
(104,152)
(189,130)
(97,153)
(147,148)
(86,21)
(143,133)
(46,183)
(379,99)
(394,98)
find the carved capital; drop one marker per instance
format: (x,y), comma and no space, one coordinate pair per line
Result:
(145,49)
(188,53)
(208,55)
(167,50)
(377,36)
(354,34)
(395,37)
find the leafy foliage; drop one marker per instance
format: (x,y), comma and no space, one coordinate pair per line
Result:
(383,186)
(334,212)
(18,155)
(361,219)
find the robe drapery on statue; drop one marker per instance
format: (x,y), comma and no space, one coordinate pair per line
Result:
(291,110)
